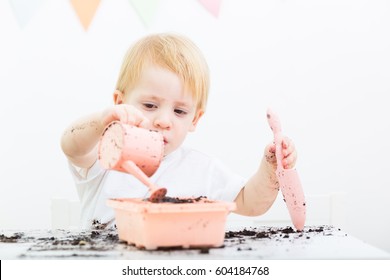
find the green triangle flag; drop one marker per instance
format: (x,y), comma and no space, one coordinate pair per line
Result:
(146,10)
(24,10)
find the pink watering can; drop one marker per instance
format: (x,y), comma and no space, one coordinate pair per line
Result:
(289,181)
(134,150)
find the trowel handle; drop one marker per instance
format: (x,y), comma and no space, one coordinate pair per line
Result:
(134,170)
(274,123)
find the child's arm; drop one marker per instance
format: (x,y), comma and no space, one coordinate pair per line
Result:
(257,196)
(79,141)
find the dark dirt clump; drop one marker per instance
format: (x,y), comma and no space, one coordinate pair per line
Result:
(168,199)
(11,239)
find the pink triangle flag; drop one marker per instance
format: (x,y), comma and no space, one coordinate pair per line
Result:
(212,6)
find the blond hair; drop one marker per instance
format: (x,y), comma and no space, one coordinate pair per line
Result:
(173,52)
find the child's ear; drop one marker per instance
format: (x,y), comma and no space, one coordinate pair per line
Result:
(197,116)
(118,97)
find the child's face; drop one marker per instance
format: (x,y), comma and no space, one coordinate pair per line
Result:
(163,99)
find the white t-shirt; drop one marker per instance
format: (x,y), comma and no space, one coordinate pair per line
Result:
(185,173)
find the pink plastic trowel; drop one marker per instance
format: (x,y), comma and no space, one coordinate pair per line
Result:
(289,181)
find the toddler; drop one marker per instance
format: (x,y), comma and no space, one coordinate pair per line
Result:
(163,85)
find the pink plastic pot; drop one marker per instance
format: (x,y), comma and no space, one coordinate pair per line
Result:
(134,150)
(153,225)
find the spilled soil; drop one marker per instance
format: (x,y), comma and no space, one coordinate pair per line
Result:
(94,243)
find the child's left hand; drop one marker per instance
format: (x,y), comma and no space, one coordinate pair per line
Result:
(288,151)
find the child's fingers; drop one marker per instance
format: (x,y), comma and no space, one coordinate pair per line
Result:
(289,153)
(269,154)
(139,119)
(121,115)
(287,147)
(145,123)
(290,160)
(286,141)
(130,115)
(287,163)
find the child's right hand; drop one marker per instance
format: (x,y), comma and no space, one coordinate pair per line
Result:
(289,154)
(124,113)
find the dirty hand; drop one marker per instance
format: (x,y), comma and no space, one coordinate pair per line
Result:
(124,113)
(289,154)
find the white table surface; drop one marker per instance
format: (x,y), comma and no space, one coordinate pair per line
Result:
(315,242)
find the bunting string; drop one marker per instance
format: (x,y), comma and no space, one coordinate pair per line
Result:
(24,10)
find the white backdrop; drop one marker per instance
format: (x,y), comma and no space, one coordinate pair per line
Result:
(324,66)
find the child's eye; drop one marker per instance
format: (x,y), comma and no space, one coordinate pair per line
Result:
(149,106)
(180,112)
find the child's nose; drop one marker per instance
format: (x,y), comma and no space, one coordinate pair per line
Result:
(162,121)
